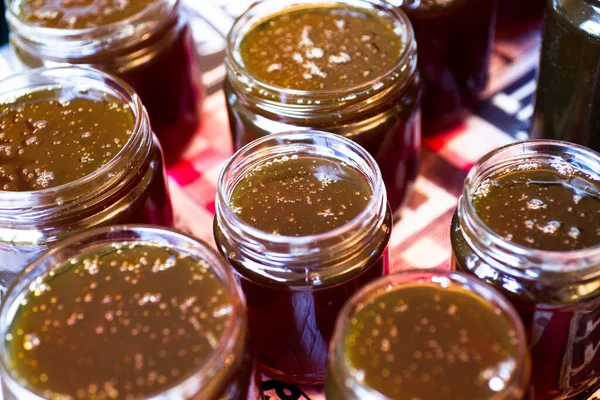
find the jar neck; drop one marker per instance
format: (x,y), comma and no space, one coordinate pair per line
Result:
(49,213)
(301,105)
(110,46)
(306,260)
(547,268)
(211,377)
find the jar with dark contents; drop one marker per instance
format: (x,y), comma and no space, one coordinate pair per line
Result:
(147,43)
(428,335)
(342,66)
(303,219)
(566,101)
(126,312)
(455,39)
(516,17)
(76,152)
(528,224)
(3,27)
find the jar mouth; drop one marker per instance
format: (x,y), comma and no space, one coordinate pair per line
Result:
(194,382)
(288,143)
(59,77)
(441,278)
(540,152)
(265,9)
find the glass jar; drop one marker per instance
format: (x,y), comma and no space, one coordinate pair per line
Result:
(515,17)
(455,41)
(382,113)
(565,106)
(428,334)
(555,291)
(132,187)
(227,370)
(296,285)
(152,50)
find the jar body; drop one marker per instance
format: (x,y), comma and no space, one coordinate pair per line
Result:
(143,200)
(170,86)
(454,48)
(162,69)
(567,100)
(291,327)
(516,17)
(562,336)
(392,134)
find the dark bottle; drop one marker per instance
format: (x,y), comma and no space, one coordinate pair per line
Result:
(428,335)
(527,224)
(303,220)
(454,40)
(126,312)
(3,26)
(516,17)
(77,152)
(567,97)
(347,67)
(148,43)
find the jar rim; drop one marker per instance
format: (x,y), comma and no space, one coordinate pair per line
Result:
(557,262)
(65,76)
(269,8)
(418,277)
(215,364)
(291,138)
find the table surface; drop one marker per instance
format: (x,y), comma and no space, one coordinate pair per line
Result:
(421,238)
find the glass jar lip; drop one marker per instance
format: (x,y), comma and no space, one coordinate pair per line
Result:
(144,234)
(551,261)
(247,21)
(411,278)
(12,6)
(287,139)
(63,74)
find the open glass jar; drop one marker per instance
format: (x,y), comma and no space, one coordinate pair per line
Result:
(455,41)
(566,106)
(380,112)
(129,188)
(548,261)
(295,285)
(429,335)
(152,50)
(136,311)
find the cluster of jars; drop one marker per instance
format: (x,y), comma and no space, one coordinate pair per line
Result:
(102,299)
(300,291)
